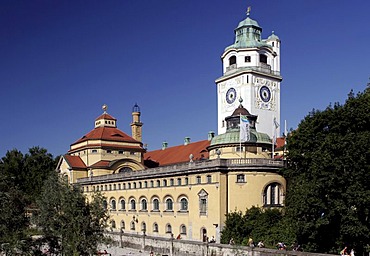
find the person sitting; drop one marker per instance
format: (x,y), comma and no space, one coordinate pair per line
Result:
(261,244)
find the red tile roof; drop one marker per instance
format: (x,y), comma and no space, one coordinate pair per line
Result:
(108,146)
(101,164)
(75,162)
(179,154)
(106,116)
(280,142)
(106,133)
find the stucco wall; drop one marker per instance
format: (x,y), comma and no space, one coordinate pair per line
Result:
(173,247)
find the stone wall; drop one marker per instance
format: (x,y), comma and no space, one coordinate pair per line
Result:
(172,247)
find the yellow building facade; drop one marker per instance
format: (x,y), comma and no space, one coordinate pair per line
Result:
(183,191)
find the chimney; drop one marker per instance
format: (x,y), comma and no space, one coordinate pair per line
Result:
(164,145)
(186,140)
(211,135)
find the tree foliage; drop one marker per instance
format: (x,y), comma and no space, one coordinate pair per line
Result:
(256,223)
(328,197)
(21,179)
(13,220)
(70,224)
(29,171)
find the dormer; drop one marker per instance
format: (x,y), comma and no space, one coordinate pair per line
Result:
(105,120)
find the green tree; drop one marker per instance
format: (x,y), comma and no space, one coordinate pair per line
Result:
(258,224)
(70,224)
(13,219)
(328,177)
(29,171)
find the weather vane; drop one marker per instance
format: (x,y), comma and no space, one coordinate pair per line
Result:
(248,11)
(105,107)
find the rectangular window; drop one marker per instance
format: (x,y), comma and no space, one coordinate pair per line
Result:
(247,58)
(94,151)
(109,151)
(120,152)
(203,206)
(209,179)
(240,178)
(239,149)
(179,181)
(199,180)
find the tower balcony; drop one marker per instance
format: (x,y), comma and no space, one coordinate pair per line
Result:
(261,68)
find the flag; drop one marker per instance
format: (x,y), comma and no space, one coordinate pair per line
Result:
(244,129)
(276,123)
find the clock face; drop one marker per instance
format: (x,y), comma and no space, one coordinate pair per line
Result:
(265,93)
(230,95)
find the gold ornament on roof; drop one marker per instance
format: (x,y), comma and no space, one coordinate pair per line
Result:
(105,107)
(248,11)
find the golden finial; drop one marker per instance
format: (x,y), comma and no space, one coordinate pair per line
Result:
(248,11)
(105,107)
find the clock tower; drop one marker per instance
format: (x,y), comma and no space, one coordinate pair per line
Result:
(251,71)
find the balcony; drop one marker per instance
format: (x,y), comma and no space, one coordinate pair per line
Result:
(262,68)
(187,168)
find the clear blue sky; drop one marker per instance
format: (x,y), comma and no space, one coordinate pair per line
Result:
(60,61)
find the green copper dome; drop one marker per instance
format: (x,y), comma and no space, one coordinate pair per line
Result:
(248,35)
(232,137)
(248,22)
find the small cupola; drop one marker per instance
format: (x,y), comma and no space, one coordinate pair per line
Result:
(105,120)
(233,121)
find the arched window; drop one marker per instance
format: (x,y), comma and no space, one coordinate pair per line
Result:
(123,225)
(164,183)
(183,230)
(158,183)
(168,229)
(143,226)
(125,169)
(209,179)
(132,225)
(122,204)
(183,204)
(133,204)
(155,227)
(169,204)
(232,60)
(273,195)
(113,205)
(105,205)
(199,179)
(155,204)
(263,58)
(113,224)
(144,205)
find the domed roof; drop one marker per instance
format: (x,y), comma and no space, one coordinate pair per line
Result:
(273,37)
(240,110)
(248,22)
(232,137)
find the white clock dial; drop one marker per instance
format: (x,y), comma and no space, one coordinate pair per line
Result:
(230,95)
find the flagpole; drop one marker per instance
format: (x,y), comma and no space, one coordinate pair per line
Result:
(240,138)
(273,139)
(286,136)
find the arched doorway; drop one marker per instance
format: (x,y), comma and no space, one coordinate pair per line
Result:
(204,235)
